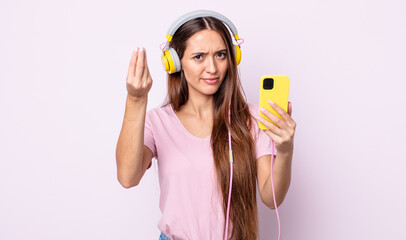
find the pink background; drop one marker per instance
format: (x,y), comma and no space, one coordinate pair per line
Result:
(63,66)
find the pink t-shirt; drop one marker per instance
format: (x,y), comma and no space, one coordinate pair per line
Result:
(190,200)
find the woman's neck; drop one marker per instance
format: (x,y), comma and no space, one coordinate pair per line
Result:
(201,107)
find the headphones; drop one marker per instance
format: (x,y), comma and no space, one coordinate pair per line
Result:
(170,59)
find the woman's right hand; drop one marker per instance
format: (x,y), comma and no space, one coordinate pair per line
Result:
(139,80)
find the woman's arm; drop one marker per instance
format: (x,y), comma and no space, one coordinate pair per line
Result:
(132,157)
(282,135)
(130,145)
(281,173)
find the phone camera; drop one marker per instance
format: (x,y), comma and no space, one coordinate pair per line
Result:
(268,83)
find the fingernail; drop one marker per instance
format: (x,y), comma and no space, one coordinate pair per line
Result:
(141,49)
(262,109)
(270,102)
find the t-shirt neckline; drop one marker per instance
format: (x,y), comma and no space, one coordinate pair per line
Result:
(185,130)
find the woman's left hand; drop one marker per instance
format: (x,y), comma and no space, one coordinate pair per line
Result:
(283,134)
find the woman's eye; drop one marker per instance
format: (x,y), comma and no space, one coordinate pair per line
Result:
(222,55)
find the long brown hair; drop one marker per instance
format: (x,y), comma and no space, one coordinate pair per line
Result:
(243,206)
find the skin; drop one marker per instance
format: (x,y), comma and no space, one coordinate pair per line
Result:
(204,58)
(282,135)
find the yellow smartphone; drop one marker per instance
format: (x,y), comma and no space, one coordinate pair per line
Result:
(276,89)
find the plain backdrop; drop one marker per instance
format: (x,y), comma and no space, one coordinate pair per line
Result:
(63,67)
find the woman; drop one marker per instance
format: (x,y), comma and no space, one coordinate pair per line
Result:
(189,138)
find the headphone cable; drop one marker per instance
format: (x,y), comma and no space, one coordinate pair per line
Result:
(273,189)
(231,171)
(231,181)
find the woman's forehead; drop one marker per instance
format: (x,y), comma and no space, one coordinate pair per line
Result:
(205,39)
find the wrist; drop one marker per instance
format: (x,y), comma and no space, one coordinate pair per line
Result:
(138,100)
(285,152)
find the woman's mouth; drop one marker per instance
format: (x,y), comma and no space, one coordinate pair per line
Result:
(210,80)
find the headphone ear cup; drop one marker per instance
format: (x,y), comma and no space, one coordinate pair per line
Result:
(237,54)
(165,61)
(170,61)
(176,60)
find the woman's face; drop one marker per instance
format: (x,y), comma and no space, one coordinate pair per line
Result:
(204,62)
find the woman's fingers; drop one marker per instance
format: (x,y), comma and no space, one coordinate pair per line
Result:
(139,80)
(283,133)
(285,116)
(146,69)
(279,122)
(279,110)
(140,67)
(290,108)
(274,129)
(133,62)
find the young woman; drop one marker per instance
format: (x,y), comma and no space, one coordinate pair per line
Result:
(188,136)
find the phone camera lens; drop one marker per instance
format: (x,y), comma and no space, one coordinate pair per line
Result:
(268,83)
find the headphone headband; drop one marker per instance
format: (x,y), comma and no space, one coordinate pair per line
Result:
(196,14)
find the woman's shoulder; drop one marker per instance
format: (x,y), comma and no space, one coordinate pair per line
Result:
(162,112)
(254,108)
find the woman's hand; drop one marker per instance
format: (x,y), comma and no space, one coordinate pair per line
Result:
(283,134)
(139,80)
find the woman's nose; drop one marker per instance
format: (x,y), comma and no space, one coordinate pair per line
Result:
(211,65)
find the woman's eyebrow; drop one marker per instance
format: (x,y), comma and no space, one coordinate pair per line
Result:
(199,53)
(203,53)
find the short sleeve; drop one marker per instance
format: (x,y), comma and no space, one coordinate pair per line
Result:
(263,144)
(149,140)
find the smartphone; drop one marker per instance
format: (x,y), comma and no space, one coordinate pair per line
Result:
(276,89)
